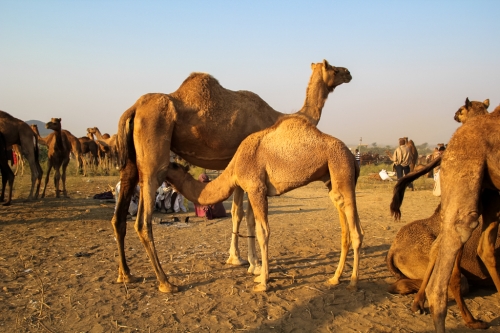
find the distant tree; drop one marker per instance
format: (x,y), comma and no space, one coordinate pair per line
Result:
(374,144)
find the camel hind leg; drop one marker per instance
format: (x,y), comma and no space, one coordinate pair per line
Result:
(259,206)
(7,177)
(342,193)
(236,217)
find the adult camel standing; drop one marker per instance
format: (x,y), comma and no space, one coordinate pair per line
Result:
(203,123)
(16,131)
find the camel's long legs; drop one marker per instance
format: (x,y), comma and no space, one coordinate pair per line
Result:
(236,216)
(128,182)
(255,267)
(259,205)
(470,321)
(419,299)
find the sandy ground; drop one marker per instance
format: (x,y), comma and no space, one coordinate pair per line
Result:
(58,267)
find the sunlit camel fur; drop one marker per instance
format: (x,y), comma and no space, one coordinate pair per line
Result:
(468,168)
(16,150)
(408,256)
(7,174)
(203,123)
(16,131)
(58,156)
(271,162)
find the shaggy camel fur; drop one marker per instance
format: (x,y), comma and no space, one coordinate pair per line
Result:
(471,110)
(408,257)
(76,147)
(6,171)
(203,123)
(274,161)
(468,168)
(16,131)
(58,156)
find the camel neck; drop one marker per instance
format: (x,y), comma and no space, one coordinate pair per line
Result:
(316,95)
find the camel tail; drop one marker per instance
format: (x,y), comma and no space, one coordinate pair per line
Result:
(404,286)
(124,140)
(399,188)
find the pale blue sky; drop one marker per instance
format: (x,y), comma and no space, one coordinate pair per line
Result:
(413,62)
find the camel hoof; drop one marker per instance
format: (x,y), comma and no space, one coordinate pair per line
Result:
(477,325)
(6,204)
(127,279)
(168,288)
(260,288)
(333,281)
(255,270)
(236,261)
(352,287)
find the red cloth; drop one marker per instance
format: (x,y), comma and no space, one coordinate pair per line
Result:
(212,211)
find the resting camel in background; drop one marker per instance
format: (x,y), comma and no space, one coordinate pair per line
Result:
(58,156)
(288,155)
(76,147)
(7,174)
(203,123)
(16,131)
(471,110)
(469,170)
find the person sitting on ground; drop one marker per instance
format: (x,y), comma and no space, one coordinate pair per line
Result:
(134,202)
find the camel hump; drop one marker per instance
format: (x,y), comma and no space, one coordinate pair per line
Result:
(404,286)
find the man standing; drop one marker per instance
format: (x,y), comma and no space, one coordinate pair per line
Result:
(402,159)
(357,155)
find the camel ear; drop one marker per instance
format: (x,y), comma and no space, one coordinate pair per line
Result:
(325,63)
(486,103)
(467,103)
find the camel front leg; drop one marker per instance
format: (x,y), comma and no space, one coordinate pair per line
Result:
(57,178)
(254,267)
(63,178)
(144,228)
(49,168)
(236,217)
(419,299)
(259,205)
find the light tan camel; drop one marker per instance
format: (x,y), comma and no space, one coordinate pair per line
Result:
(468,168)
(203,123)
(408,257)
(288,155)
(76,147)
(58,156)
(471,110)
(7,174)
(16,131)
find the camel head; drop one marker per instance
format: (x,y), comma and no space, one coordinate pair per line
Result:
(332,76)
(91,130)
(471,109)
(176,173)
(54,124)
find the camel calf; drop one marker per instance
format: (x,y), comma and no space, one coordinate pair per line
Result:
(288,155)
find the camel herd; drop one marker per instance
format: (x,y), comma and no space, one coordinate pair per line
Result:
(238,132)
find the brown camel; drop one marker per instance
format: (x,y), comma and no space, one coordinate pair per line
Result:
(76,147)
(108,145)
(6,171)
(203,123)
(468,168)
(16,131)
(58,156)
(288,155)
(408,257)
(90,150)
(414,153)
(471,110)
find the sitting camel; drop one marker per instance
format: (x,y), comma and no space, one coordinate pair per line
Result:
(203,123)
(6,171)
(408,257)
(469,169)
(288,155)
(16,131)
(58,156)
(471,110)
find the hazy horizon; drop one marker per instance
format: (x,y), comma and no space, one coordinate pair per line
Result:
(413,63)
